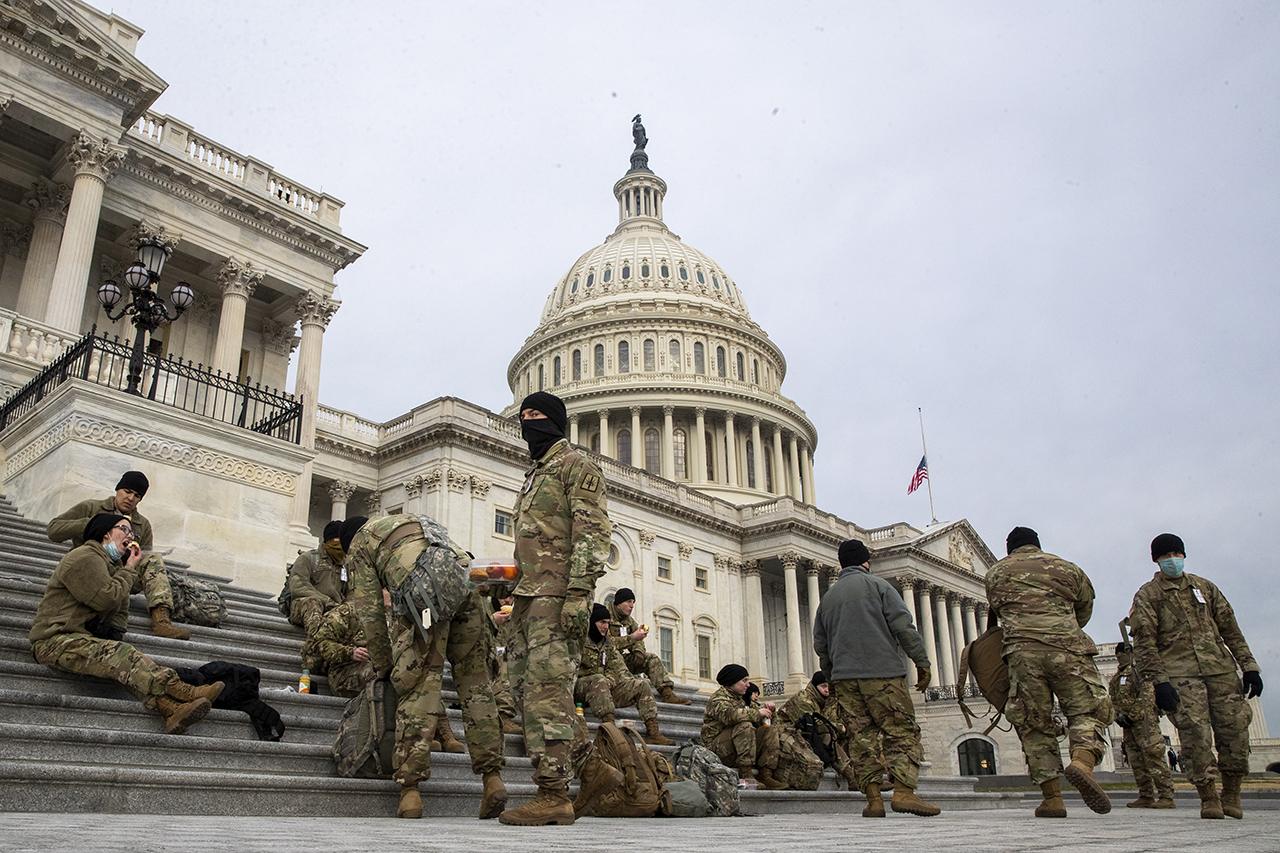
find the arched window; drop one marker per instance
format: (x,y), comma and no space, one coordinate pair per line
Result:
(555,371)
(768,469)
(977,758)
(650,356)
(595,443)
(591,279)
(666,271)
(702,280)
(751,465)
(652,461)
(755,371)
(626,272)
(684,274)
(720,361)
(577,365)
(606,275)
(644,270)
(742,371)
(699,362)
(710,456)
(680,454)
(542,376)
(674,350)
(624,357)
(574,289)
(624,446)
(599,360)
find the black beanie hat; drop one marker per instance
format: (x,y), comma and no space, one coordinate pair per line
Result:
(623,595)
(99,525)
(1166,543)
(350,528)
(818,678)
(550,405)
(134,481)
(1020,536)
(753,689)
(598,613)
(730,674)
(853,553)
(332,530)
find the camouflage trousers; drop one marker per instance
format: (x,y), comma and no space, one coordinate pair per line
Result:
(153,581)
(543,664)
(308,613)
(747,745)
(881,719)
(349,678)
(799,766)
(87,655)
(604,696)
(502,689)
(1036,676)
(647,663)
(1147,757)
(1212,711)
(417,671)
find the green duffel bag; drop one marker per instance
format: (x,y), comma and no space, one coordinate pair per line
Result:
(687,799)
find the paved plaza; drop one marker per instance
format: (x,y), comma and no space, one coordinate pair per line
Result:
(1004,831)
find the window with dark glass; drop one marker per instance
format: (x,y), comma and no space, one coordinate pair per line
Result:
(501,522)
(577,365)
(768,469)
(701,280)
(716,282)
(624,446)
(700,578)
(755,371)
(719,361)
(742,371)
(711,459)
(684,274)
(699,361)
(652,461)
(674,350)
(595,443)
(591,279)
(574,289)
(606,275)
(599,359)
(664,568)
(541,377)
(704,658)
(666,640)
(650,355)
(626,272)
(644,270)
(555,371)
(624,357)
(680,454)
(751,465)
(666,271)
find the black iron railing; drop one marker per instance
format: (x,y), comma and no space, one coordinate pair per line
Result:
(773,688)
(937,694)
(170,381)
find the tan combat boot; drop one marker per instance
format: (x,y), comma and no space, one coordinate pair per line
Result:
(1210,805)
(875,803)
(183,692)
(511,727)
(1052,805)
(598,779)
(1080,774)
(1231,796)
(744,772)
(655,736)
(550,806)
(1164,801)
(162,627)
(180,716)
(770,782)
(606,718)
(668,695)
(444,733)
(905,800)
(410,801)
(1144,801)
(495,796)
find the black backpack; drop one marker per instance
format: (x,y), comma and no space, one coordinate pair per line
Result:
(820,733)
(239,693)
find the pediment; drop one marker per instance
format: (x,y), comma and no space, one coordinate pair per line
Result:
(959,544)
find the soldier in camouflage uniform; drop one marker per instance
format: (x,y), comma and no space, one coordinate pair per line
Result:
(738,733)
(862,624)
(628,636)
(317,584)
(1187,643)
(153,579)
(74,623)
(604,684)
(1139,719)
(340,643)
(381,554)
(507,711)
(562,535)
(1043,603)
(799,766)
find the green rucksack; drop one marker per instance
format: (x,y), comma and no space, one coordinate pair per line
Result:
(438,584)
(367,733)
(195,601)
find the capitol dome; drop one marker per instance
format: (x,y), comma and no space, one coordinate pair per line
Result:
(651,346)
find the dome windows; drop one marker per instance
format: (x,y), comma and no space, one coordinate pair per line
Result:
(716,282)
(574,289)
(720,362)
(624,357)
(644,270)
(607,275)
(665,271)
(626,273)
(650,356)
(577,365)
(701,280)
(555,371)
(599,365)
(674,349)
(591,279)
(699,358)
(684,274)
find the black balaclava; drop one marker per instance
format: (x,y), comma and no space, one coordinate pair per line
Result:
(350,528)
(753,690)
(599,613)
(100,525)
(818,679)
(1020,536)
(541,433)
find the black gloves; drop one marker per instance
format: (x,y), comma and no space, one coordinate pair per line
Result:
(1252,684)
(1166,697)
(1123,722)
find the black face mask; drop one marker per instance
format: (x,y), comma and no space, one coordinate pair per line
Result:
(540,434)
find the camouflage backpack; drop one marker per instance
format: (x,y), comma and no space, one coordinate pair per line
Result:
(718,783)
(984,657)
(195,601)
(438,583)
(645,772)
(367,733)
(802,769)
(284,601)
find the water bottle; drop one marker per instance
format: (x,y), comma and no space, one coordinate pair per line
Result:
(304,683)
(578,710)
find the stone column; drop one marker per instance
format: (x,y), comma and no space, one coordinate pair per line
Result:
(757,453)
(753,617)
(812,571)
(700,446)
(946,659)
(779,468)
(573,428)
(957,627)
(669,442)
(926,630)
(237,282)
(982,617)
(603,414)
(970,625)
(810,495)
(795,648)
(637,440)
(909,598)
(796,491)
(48,202)
(731,453)
(95,162)
(314,313)
(340,491)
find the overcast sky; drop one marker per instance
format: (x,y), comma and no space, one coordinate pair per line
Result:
(1054,227)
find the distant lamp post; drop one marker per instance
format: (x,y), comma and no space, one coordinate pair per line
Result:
(148,309)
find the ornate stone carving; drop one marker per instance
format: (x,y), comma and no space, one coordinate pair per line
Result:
(94,157)
(204,312)
(646,538)
(635,411)
(145,232)
(277,337)
(458,481)
(907,582)
(373,503)
(341,490)
(603,414)
(15,238)
(48,200)
(479,488)
(954,598)
(790,560)
(686,550)
(721,562)
(814,570)
(750,568)
(315,310)
(432,479)
(778,590)
(700,411)
(958,551)
(238,279)
(668,411)
(413,487)
(968,605)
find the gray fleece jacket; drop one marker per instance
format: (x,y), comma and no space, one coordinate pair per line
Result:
(862,621)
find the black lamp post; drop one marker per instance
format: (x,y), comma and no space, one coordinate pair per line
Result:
(147,308)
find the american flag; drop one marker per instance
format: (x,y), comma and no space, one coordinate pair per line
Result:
(922,474)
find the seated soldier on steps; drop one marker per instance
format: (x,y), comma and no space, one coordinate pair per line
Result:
(604,683)
(628,637)
(737,733)
(794,746)
(152,579)
(317,583)
(75,628)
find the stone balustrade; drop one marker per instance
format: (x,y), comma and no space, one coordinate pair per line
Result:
(30,340)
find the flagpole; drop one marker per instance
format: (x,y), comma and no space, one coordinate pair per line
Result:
(928,479)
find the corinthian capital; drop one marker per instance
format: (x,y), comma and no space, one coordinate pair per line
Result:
(277,337)
(341,490)
(145,232)
(48,200)
(98,158)
(314,309)
(238,279)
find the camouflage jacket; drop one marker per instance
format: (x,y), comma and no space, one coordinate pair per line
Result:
(620,630)
(70,525)
(725,710)
(1185,626)
(1131,696)
(339,635)
(807,701)
(1041,600)
(86,583)
(562,527)
(602,658)
(370,568)
(315,575)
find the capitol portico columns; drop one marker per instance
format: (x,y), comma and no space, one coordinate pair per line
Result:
(779,472)
(948,672)
(603,414)
(314,313)
(810,496)
(957,626)
(95,162)
(340,491)
(796,491)
(668,442)
(48,202)
(573,429)
(700,446)
(970,624)
(909,598)
(926,628)
(731,455)
(757,454)
(753,616)
(795,650)
(981,617)
(237,282)
(637,442)
(812,571)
